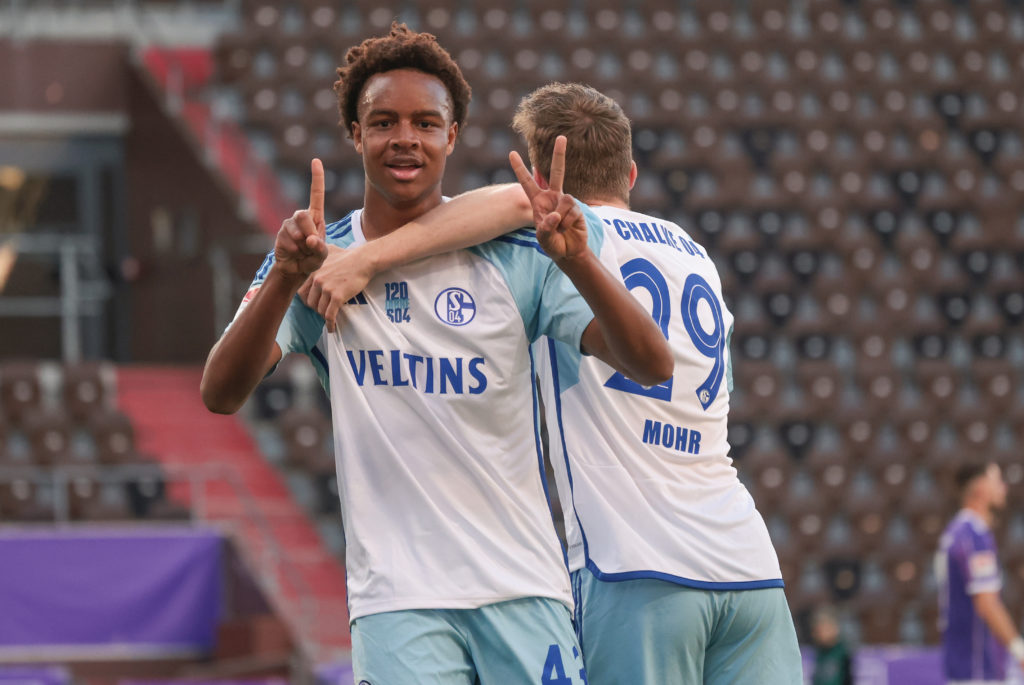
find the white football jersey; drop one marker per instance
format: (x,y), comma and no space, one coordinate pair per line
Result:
(436,421)
(644,475)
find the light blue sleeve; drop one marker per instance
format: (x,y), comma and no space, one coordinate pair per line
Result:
(301,326)
(547,300)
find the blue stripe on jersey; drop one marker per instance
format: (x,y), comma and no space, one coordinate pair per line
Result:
(264,269)
(528,233)
(561,436)
(524,243)
(540,450)
(678,580)
(318,356)
(634,575)
(577,598)
(339,229)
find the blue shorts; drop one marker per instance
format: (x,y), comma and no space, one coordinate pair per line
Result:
(654,632)
(524,641)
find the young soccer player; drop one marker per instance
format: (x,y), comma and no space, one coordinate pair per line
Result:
(455,574)
(675,576)
(976,628)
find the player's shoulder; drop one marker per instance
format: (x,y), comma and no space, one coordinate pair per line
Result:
(340,231)
(968,527)
(521,242)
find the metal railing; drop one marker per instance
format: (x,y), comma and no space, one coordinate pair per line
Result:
(84,289)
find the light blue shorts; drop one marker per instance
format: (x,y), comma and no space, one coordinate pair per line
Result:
(526,641)
(654,632)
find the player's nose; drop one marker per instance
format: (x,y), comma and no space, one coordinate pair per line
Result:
(404,135)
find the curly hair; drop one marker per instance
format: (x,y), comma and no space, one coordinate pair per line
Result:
(401,49)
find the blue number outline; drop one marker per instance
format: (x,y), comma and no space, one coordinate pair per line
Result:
(640,273)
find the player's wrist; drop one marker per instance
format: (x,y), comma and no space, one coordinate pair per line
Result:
(374,257)
(289,278)
(1016,648)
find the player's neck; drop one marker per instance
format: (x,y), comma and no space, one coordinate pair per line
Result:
(606,202)
(982,510)
(381,217)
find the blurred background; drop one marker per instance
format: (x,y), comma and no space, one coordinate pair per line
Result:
(855,169)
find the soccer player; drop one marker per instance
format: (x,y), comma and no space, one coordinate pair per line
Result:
(675,576)
(454,570)
(976,628)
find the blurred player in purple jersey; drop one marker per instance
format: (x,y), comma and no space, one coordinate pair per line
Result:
(976,628)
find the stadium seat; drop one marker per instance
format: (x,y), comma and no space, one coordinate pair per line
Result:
(821,383)
(306,434)
(20,389)
(928,515)
(904,563)
(273,396)
(82,489)
(828,462)
(114,437)
(769,470)
(87,389)
(892,466)
(974,421)
(19,500)
(777,288)
(762,382)
(879,614)
(995,381)
(868,512)
(49,435)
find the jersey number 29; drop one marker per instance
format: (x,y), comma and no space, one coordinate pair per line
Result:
(640,273)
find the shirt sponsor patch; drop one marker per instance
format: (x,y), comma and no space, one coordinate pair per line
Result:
(982,565)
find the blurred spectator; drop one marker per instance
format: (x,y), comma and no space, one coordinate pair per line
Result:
(832,663)
(977,630)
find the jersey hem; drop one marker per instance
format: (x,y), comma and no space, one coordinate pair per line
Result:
(442,604)
(681,580)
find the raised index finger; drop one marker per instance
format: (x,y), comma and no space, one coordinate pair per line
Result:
(558,164)
(316,193)
(523,175)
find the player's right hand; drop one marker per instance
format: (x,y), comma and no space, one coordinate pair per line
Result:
(301,244)
(343,275)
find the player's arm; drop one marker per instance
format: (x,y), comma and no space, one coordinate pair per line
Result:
(248,350)
(622,334)
(469,219)
(993,612)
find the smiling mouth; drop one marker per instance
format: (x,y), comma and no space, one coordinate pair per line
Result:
(404,171)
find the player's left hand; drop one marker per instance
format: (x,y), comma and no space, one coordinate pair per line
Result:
(561,226)
(343,275)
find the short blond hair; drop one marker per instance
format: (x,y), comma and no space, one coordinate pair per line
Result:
(599,155)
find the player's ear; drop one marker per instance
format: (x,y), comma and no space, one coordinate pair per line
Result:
(542,182)
(453,133)
(632,174)
(357,137)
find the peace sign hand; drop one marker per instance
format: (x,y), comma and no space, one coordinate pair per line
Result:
(561,227)
(301,244)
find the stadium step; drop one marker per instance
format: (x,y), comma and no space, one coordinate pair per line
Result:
(215,468)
